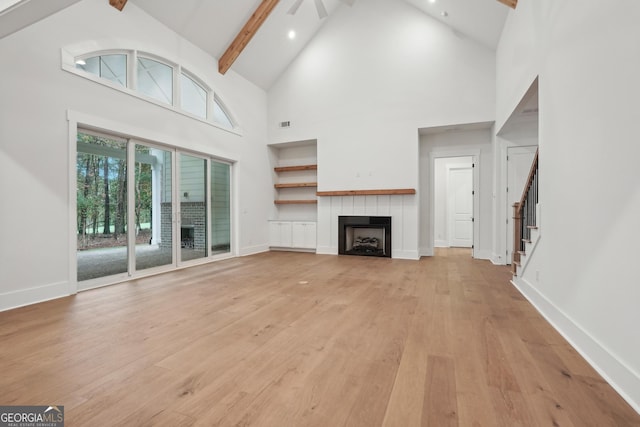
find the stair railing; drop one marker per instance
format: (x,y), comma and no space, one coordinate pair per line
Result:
(524,214)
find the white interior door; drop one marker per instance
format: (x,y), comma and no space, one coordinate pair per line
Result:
(460,190)
(519,160)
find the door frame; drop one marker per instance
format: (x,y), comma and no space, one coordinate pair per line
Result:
(475,156)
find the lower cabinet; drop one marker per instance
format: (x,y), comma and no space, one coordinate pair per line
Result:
(292,234)
(280,234)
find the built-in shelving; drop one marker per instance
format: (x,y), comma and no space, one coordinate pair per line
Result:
(296,185)
(381,192)
(295,202)
(295,168)
(291,185)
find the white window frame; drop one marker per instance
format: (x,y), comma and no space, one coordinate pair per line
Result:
(70,56)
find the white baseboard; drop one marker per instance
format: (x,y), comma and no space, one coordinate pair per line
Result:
(290,249)
(621,377)
(412,255)
(15,299)
(326,250)
(251,250)
(426,251)
(482,254)
(441,244)
(497,260)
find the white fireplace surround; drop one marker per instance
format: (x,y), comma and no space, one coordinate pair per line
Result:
(401,208)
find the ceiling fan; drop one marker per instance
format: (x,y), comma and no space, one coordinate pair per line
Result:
(322,11)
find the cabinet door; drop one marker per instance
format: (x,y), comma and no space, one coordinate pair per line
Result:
(280,234)
(303,235)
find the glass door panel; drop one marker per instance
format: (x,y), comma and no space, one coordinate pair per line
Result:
(193,207)
(220,208)
(101,196)
(153,209)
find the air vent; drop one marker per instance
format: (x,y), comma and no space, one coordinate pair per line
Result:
(285,124)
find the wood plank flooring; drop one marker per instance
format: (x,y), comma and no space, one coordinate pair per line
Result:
(294,339)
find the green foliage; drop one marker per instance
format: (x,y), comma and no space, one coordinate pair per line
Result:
(101,177)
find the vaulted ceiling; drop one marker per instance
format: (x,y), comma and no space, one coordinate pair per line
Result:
(213,25)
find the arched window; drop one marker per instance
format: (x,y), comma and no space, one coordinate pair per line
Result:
(112,67)
(153,78)
(220,114)
(193,96)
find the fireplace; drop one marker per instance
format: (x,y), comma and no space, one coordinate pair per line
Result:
(187,236)
(364,235)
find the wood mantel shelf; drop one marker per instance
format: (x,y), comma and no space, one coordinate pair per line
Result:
(295,168)
(390,192)
(296,185)
(295,202)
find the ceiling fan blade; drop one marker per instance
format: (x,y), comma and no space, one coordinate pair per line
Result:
(295,7)
(349,2)
(322,12)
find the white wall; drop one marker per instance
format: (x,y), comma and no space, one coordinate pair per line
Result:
(588,63)
(374,75)
(37,95)
(454,144)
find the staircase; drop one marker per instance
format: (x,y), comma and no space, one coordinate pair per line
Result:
(525,221)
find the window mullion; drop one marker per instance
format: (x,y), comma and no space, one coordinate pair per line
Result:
(132,70)
(177,90)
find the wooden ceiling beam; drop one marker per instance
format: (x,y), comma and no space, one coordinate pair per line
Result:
(118,4)
(511,3)
(245,35)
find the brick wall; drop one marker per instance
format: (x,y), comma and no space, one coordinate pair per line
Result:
(193,214)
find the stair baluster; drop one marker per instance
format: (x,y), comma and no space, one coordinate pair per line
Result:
(524,215)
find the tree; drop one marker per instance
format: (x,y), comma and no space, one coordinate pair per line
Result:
(107,207)
(121,207)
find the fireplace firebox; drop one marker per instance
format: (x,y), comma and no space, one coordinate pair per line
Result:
(364,235)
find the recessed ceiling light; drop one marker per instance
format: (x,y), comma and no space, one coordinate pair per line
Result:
(432,1)
(292,35)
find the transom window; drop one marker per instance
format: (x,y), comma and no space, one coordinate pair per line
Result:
(157,79)
(110,67)
(194,98)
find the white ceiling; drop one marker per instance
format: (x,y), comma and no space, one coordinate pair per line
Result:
(213,24)
(27,12)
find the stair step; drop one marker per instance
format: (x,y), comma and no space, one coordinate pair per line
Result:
(526,240)
(522,253)
(532,227)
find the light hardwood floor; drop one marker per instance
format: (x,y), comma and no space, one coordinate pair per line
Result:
(292,339)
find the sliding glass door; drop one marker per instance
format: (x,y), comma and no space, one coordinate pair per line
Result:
(220,207)
(102,211)
(153,207)
(193,207)
(143,207)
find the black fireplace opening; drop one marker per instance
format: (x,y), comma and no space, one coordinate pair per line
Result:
(187,236)
(364,235)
